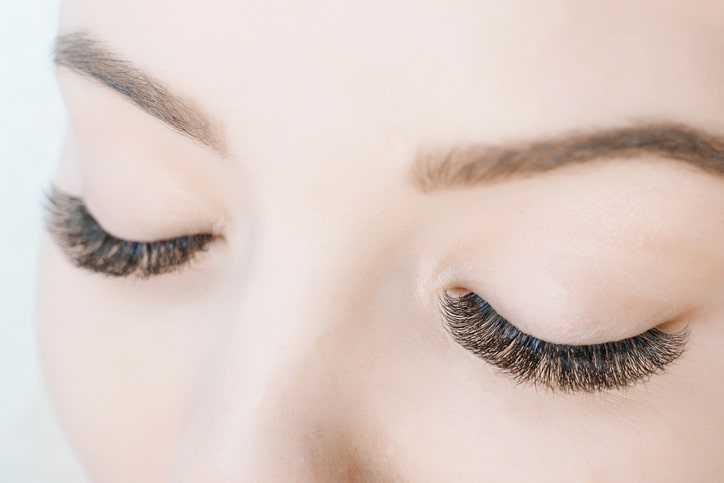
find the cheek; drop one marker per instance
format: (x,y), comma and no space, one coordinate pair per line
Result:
(124,366)
(120,384)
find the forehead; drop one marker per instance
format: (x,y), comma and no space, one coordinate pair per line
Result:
(433,71)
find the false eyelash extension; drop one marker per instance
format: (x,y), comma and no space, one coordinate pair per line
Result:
(90,247)
(476,326)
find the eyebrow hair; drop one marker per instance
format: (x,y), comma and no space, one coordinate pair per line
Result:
(85,55)
(480,164)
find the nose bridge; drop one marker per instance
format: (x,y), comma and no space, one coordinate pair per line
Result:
(270,409)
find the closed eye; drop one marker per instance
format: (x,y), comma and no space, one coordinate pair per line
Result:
(88,246)
(477,327)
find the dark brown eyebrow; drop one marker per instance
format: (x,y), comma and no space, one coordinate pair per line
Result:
(85,55)
(480,164)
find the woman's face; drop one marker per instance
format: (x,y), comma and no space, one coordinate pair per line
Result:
(360,177)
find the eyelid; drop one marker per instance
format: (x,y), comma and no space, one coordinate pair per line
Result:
(477,327)
(88,246)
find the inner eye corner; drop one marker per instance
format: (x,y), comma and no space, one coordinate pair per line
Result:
(219,229)
(457,291)
(675,326)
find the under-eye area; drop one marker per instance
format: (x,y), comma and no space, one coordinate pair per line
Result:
(477,327)
(88,246)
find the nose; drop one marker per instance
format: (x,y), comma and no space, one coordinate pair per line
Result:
(283,421)
(276,402)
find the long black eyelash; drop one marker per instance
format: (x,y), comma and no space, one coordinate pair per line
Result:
(476,326)
(90,247)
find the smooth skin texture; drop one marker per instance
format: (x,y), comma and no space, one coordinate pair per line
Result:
(307,345)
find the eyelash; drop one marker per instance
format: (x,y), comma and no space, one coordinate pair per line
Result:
(476,326)
(470,320)
(90,247)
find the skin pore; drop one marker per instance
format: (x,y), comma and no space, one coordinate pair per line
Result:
(355,161)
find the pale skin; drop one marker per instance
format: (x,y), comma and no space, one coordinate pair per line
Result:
(307,344)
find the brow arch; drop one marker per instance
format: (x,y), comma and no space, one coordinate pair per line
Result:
(472,165)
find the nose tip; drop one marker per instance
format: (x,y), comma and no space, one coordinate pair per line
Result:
(283,427)
(271,407)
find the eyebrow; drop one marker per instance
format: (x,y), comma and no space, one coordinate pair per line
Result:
(433,170)
(463,167)
(85,55)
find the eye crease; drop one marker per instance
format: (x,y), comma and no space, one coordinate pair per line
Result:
(90,247)
(477,327)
